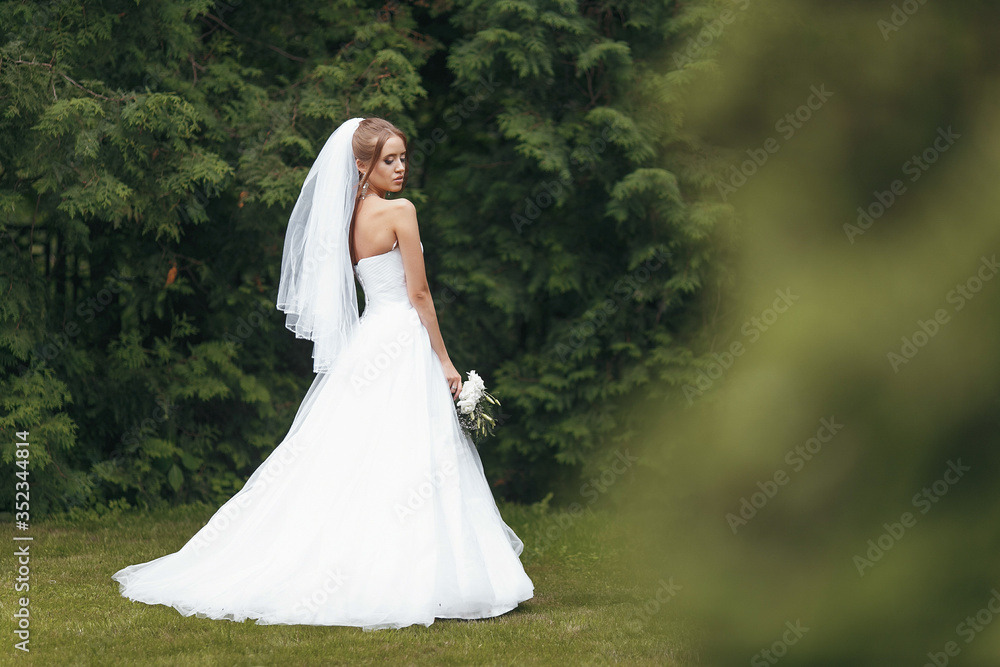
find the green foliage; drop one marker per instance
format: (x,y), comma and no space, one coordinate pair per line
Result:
(596,229)
(150,154)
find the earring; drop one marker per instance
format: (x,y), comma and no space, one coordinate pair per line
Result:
(364,190)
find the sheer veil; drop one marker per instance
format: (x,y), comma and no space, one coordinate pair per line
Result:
(316,290)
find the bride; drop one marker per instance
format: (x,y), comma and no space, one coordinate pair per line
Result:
(374,510)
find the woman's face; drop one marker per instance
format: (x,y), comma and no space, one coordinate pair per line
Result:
(387,176)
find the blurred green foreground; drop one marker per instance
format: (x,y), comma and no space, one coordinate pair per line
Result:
(827,493)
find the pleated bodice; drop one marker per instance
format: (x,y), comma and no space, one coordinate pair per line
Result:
(383,280)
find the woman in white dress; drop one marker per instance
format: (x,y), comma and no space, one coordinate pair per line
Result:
(374,510)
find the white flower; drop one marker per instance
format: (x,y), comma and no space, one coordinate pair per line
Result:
(472,391)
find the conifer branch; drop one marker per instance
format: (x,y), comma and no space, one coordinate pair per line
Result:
(255,41)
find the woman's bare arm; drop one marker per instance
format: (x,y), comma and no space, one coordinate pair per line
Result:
(408,236)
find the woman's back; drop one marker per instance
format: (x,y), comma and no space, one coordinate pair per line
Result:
(374,233)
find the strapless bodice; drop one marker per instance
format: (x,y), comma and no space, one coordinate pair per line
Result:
(382,279)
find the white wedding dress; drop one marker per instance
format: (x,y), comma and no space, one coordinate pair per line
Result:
(372,512)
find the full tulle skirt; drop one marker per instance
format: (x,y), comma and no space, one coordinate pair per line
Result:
(372,512)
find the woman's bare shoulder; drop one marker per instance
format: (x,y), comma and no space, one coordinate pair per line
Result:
(392,210)
(401,205)
(402,212)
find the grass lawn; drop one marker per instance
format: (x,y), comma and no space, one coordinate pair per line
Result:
(584,611)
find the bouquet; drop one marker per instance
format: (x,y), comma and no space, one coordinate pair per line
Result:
(475,408)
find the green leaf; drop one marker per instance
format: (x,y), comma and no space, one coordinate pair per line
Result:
(175,478)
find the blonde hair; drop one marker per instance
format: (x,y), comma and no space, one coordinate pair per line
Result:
(368,140)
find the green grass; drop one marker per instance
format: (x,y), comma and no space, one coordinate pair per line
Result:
(580,614)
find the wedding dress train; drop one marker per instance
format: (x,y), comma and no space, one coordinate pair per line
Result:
(373,511)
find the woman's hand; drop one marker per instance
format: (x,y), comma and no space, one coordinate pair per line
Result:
(454,379)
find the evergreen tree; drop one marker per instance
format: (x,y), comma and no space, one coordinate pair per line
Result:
(583,215)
